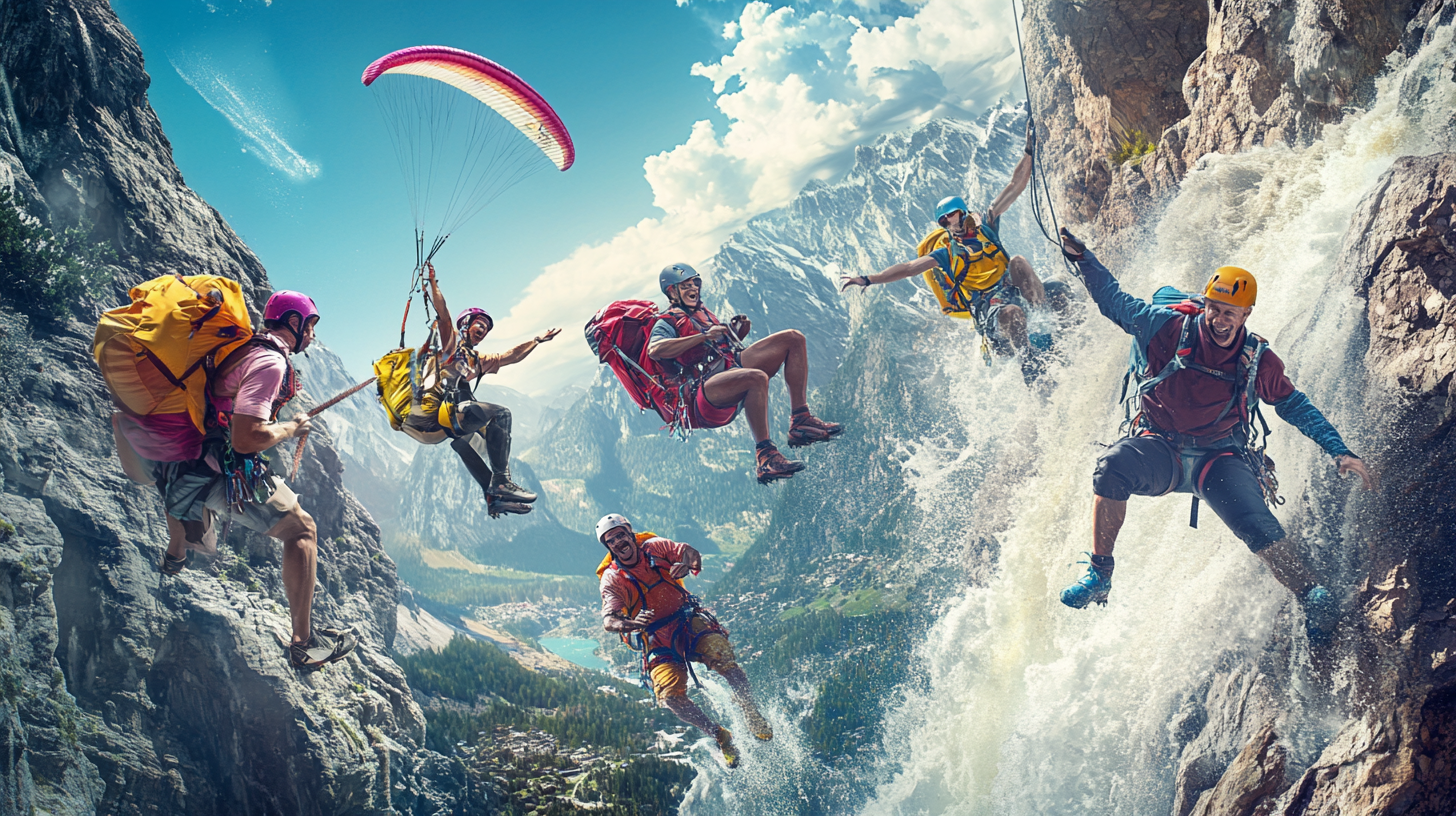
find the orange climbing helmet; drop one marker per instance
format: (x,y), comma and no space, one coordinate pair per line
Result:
(1233,286)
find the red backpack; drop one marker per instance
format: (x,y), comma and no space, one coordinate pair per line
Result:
(618,336)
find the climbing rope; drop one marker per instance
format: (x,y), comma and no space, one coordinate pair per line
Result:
(1041,195)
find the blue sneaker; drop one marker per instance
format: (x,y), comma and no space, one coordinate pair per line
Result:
(1094,586)
(1321,615)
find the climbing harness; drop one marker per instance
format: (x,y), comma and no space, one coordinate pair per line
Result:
(681,619)
(1246,439)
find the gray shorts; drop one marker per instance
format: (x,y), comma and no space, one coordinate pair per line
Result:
(194,493)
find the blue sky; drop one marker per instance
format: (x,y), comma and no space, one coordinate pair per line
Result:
(687,120)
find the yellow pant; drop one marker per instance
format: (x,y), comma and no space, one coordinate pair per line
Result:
(670,678)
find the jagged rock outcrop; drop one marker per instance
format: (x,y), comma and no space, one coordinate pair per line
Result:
(183,697)
(1399,754)
(40,724)
(1195,78)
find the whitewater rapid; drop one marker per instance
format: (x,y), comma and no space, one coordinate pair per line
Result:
(1037,708)
(1028,707)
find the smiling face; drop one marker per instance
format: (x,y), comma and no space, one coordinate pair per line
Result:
(1224,321)
(688,293)
(622,543)
(476,331)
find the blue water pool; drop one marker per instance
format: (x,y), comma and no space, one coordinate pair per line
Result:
(581,651)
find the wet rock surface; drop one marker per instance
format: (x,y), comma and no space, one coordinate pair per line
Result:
(1194,78)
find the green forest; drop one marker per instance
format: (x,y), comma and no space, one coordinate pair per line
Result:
(496,690)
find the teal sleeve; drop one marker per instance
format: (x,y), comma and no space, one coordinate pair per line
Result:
(1297,410)
(1137,317)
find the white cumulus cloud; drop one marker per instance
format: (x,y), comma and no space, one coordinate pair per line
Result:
(245,114)
(800,88)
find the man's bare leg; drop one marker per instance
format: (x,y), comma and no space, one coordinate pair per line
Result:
(1013,325)
(789,350)
(746,385)
(1025,279)
(300,566)
(688,711)
(1107,518)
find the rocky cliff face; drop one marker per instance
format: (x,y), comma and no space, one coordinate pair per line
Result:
(1257,74)
(175,698)
(1195,78)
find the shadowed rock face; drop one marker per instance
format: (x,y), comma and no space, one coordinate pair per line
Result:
(183,697)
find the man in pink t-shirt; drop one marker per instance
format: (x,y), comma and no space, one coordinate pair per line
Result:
(230,478)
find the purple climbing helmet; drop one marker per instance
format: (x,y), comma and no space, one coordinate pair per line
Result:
(466,317)
(284,304)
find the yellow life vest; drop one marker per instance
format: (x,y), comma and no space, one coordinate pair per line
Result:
(976,271)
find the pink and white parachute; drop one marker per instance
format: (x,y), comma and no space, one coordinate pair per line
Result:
(464,129)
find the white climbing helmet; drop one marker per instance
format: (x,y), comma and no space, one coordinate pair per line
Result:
(609,522)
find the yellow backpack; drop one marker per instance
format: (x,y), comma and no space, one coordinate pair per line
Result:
(953,299)
(395,373)
(157,353)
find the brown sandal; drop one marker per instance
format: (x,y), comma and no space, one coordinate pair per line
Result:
(324,646)
(172,566)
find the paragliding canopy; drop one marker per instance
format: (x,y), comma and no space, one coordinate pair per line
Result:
(464,129)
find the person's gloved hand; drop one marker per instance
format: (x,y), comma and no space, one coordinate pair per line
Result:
(1071,247)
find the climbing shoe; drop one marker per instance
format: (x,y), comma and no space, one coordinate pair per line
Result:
(323,647)
(498,508)
(772,465)
(1094,586)
(758,725)
(1321,614)
(806,429)
(725,744)
(172,566)
(501,487)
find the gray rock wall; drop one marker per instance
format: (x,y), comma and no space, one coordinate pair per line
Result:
(183,697)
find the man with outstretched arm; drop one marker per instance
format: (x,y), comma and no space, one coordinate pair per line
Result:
(643,595)
(967,267)
(719,375)
(479,432)
(1193,432)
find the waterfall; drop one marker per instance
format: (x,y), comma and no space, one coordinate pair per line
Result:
(1036,708)
(1016,704)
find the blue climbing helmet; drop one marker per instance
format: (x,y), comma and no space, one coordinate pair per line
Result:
(673,274)
(949,205)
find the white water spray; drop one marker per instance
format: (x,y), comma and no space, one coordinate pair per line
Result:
(1036,708)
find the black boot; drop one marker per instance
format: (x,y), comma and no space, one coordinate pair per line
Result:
(503,489)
